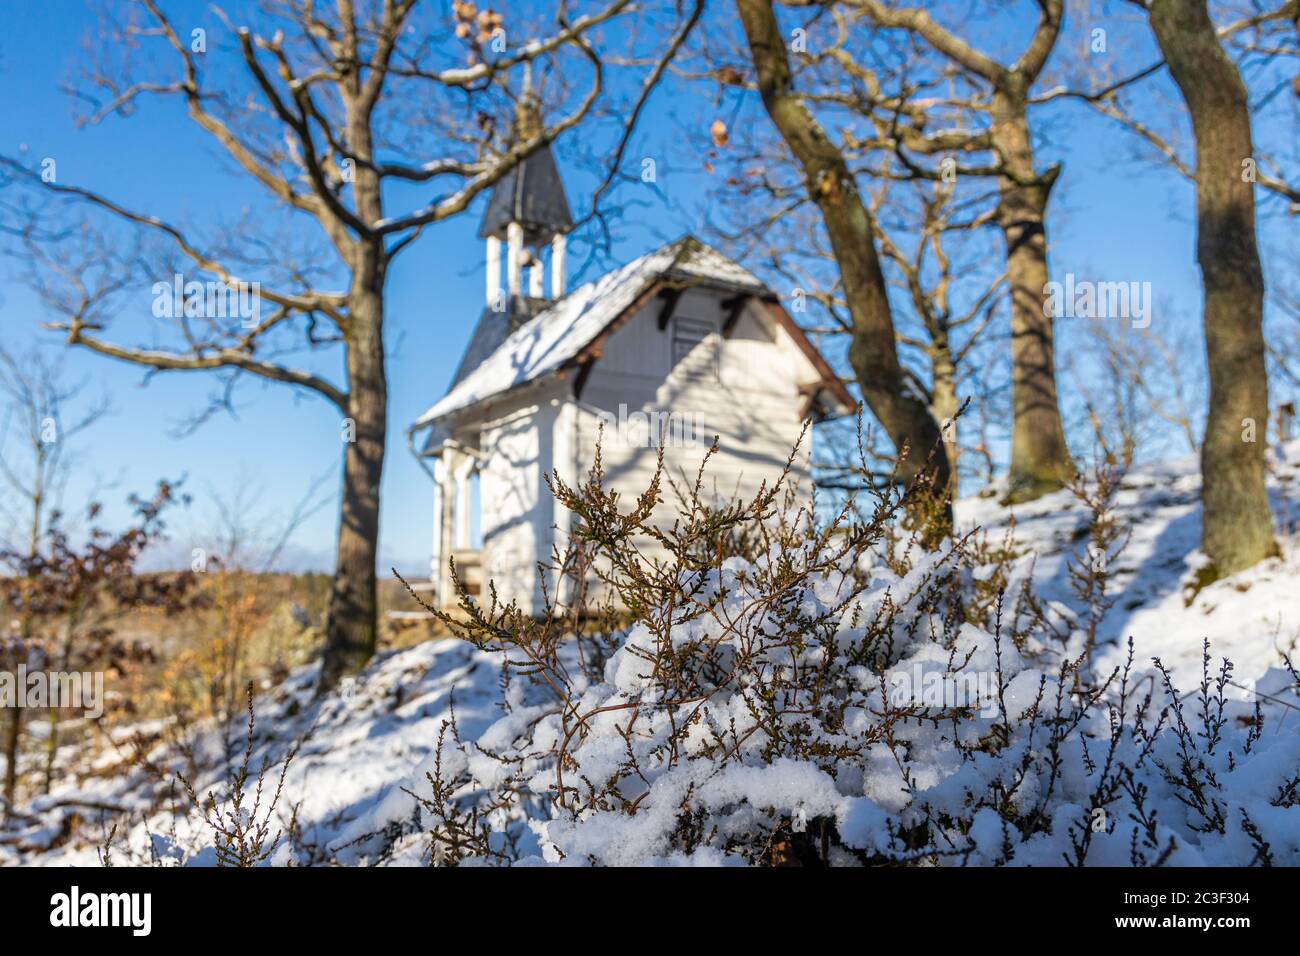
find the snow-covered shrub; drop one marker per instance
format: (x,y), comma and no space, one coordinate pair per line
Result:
(242,821)
(795,693)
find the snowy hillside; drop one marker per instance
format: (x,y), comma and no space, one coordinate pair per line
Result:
(359,748)
(364,749)
(1245,617)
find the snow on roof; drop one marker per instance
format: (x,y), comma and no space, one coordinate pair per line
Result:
(550,339)
(709,265)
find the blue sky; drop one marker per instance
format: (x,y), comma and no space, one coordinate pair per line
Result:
(1111,216)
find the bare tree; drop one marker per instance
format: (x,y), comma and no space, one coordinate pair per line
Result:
(989,112)
(37,427)
(1208,63)
(851,232)
(333,112)
(943,310)
(1258,39)
(1142,388)
(38,423)
(947,336)
(1238,523)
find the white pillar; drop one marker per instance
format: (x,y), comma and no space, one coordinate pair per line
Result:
(557,266)
(445,520)
(514,257)
(463,502)
(535,286)
(493,271)
(436,556)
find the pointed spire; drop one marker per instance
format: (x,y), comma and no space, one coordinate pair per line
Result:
(528,210)
(532,194)
(528,111)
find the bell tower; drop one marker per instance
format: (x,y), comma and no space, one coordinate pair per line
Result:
(528,213)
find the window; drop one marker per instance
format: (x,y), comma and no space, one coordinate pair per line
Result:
(695,349)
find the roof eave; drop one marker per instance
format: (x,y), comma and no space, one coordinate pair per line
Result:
(448,419)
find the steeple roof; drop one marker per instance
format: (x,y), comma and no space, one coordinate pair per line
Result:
(532,193)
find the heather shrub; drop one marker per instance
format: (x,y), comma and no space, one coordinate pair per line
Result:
(243,819)
(793,692)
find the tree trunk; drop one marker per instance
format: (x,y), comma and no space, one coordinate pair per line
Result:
(1040,458)
(944,403)
(1238,524)
(352,625)
(873,352)
(13,737)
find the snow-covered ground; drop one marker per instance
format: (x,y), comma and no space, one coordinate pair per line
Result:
(363,749)
(1249,618)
